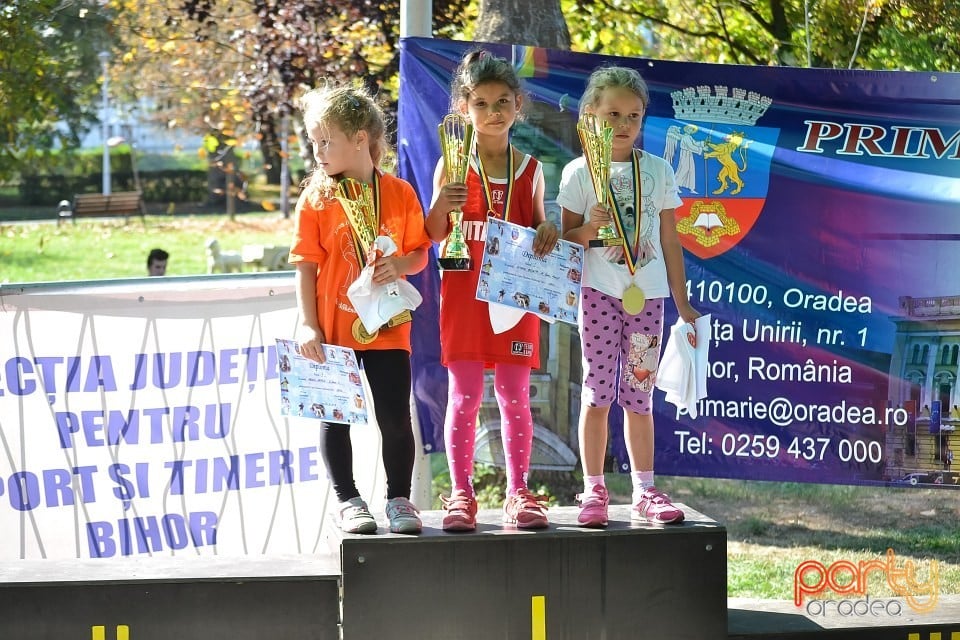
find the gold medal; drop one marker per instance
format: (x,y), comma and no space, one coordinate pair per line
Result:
(401,318)
(360,333)
(633,299)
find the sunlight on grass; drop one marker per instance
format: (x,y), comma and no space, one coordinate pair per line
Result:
(773,527)
(117,248)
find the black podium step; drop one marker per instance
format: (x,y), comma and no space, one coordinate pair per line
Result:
(630,580)
(162,598)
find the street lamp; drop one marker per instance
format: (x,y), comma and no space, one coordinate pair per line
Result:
(105,128)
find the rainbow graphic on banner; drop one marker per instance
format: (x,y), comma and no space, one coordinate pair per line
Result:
(530,62)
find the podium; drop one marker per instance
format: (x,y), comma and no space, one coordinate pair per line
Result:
(630,580)
(159,598)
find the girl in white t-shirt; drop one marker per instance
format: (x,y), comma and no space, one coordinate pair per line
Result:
(621,302)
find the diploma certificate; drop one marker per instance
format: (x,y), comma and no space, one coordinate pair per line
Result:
(332,391)
(511,275)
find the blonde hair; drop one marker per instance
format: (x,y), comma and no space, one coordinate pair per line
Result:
(351,110)
(611,77)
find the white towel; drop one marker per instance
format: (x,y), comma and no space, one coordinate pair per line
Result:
(682,373)
(376,304)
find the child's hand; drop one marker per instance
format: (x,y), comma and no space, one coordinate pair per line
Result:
(311,344)
(599,216)
(385,270)
(453,195)
(689,315)
(546,238)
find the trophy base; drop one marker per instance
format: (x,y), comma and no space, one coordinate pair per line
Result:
(606,242)
(454,264)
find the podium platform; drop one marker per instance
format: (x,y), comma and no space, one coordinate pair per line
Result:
(625,581)
(161,598)
(630,580)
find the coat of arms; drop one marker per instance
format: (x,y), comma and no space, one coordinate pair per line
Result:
(721,160)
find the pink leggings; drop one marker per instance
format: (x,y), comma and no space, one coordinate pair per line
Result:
(512,388)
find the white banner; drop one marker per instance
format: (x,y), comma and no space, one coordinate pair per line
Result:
(141,417)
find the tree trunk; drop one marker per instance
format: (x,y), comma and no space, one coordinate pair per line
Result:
(270,148)
(537,23)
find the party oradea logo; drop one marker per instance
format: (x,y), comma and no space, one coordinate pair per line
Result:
(721,160)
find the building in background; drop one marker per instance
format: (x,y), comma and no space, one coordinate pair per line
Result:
(924,370)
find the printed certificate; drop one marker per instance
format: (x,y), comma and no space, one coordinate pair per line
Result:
(332,391)
(512,276)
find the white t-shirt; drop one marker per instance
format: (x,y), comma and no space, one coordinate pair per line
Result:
(601,270)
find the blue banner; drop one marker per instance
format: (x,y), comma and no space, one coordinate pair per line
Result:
(820,222)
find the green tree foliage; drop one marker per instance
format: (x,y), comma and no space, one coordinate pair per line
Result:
(49,78)
(860,34)
(286,45)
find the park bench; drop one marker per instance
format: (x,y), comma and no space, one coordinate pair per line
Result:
(123,203)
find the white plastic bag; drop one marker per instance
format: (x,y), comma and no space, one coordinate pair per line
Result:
(376,304)
(682,373)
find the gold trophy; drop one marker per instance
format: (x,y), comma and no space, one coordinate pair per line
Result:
(357,203)
(456,140)
(596,138)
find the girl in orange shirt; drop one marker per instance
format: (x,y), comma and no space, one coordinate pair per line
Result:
(346,129)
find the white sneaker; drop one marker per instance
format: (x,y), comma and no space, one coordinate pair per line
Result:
(403,516)
(355,517)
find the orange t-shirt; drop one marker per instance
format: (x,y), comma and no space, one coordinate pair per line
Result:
(324,236)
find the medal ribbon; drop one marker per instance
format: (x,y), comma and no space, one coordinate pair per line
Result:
(632,250)
(488,194)
(372,218)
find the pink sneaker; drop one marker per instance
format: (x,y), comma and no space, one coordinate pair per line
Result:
(525,510)
(461,510)
(593,507)
(655,506)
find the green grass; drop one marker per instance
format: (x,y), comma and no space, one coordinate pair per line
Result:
(772,527)
(118,248)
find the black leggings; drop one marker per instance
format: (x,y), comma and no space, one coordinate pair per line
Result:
(388,373)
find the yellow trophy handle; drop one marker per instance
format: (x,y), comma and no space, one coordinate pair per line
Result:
(596,138)
(456,140)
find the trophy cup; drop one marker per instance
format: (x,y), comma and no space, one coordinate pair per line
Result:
(456,139)
(596,138)
(357,202)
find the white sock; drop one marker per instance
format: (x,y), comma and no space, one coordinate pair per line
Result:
(589,482)
(641,481)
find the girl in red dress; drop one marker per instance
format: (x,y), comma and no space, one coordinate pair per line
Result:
(501,182)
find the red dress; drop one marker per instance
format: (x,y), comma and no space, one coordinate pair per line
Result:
(465,331)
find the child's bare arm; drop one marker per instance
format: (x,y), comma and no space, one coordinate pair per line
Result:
(310,335)
(673,259)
